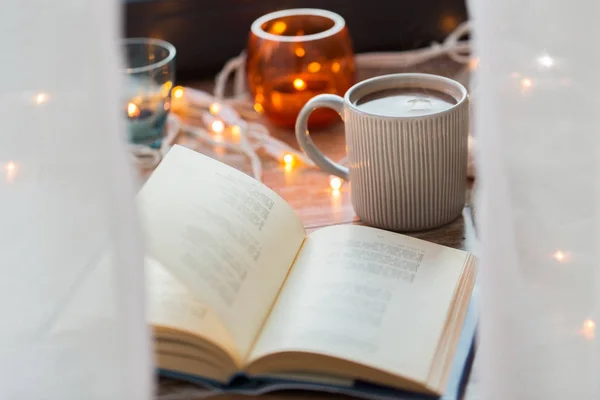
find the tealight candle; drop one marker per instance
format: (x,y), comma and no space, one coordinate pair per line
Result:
(294,55)
(147,94)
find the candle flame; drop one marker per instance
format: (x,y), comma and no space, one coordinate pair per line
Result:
(278,27)
(314,67)
(258,107)
(299,84)
(300,52)
(133,110)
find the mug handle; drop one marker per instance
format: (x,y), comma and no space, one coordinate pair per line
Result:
(336,103)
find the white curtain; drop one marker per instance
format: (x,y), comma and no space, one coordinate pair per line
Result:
(538,128)
(71,273)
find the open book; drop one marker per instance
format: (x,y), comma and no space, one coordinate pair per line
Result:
(236,286)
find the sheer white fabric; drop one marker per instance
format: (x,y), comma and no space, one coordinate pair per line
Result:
(71,285)
(538,126)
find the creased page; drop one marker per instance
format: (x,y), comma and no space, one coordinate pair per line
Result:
(223,234)
(365,295)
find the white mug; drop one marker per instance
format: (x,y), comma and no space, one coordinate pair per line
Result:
(408,168)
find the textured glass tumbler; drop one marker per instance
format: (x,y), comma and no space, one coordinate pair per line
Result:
(150,69)
(294,55)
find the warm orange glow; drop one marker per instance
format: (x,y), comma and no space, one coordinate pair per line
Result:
(178,92)
(335,193)
(165,88)
(588,329)
(449,23)
(288,159)
(258,107)
(133,110)
(275,65)
(218,137)
(335,183)
(41,98)
(473,63)
(299,84)
(526,83)
(217,126)
(236,130)
(214,108)
(166,106)
(559,256)
(314,67)
(278,27)
(11,170)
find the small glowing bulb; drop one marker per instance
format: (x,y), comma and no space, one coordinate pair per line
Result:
(133,110)
(178,92)
(299,84)
(300,52)
(588,329)
(526,83)
(545,61)
(217,126)
(335,183)
(214,108)
(258,107)
(278,27)
(236,130)
(559,256)
(10,166)
(314,67)
(11,170)
(335,67)
(41,98)
(288,159)
(473,63)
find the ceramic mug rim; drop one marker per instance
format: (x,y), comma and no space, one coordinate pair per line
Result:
(338,24)
(413,78)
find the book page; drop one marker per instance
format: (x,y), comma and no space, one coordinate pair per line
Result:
(224,235)
(365,295)
(171,305)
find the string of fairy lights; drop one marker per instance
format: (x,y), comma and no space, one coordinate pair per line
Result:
(233,122)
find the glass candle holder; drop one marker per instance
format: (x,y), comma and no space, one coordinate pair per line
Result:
(150,69)
(294,55)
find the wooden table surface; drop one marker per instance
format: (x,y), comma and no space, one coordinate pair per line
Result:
(307,191)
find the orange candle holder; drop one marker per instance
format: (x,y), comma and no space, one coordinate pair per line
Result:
(294,55)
